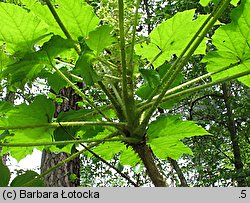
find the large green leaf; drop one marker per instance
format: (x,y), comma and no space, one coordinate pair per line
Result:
(171,36)
(4,174)
(27,68)
(77,16)
(170,148)
(107,151)
(20,29)
(33,63)
(234,2)
(37,113)
(100,38)
(56,45)
(24,179)
(233,45)
(165,133)
(129,157)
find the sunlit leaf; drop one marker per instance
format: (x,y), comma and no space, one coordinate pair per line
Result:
(233,45)
(165,133)
(20,29)
(171,36)
(109,149)
(129,157)
(33,63)
(77,16)
(37,113)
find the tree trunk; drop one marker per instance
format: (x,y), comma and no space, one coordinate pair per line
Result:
(146,155)
(61,176)
(233,135)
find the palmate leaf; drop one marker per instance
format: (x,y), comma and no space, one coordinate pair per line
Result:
(39,112)
(20,29)
(171,36)
(27,68)
(77,16)
(233,45)
(129,157)
(33,63)
(165,133)
(107,150)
